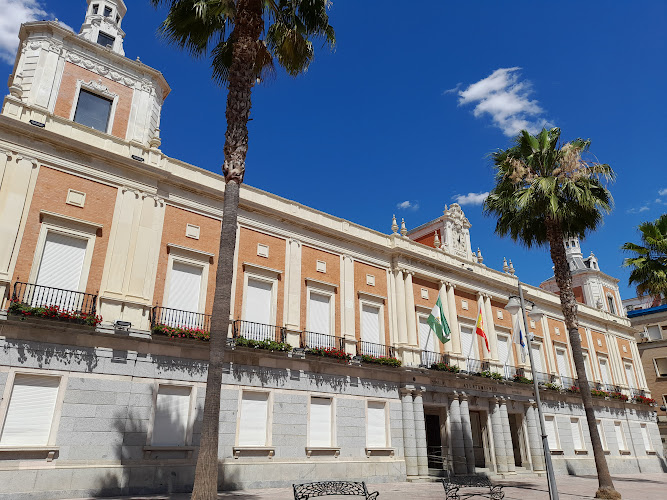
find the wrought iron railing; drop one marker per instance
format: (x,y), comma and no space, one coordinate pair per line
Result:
(258,331)
(509,372)
(567,382)
(541,377)
(611,388)
(378,350)
(636,392)
(314,340)
(33,295)
(477,365)
(429,358)
(179,319)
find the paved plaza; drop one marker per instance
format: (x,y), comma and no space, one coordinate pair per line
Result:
(632,487)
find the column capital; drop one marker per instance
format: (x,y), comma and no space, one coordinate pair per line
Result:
(480,295)
(417,392)
(444,282)
(294,240)
(406,390)
(347,257)
(463,396)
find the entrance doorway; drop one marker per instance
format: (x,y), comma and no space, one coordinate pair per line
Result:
(518,444)
(433,441)
(478,425)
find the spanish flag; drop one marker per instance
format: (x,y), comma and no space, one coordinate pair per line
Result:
(480,328)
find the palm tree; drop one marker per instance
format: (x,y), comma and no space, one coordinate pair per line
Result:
(243,50)
(649,260)
(545,191)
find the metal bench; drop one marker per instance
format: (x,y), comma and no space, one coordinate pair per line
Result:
(325,488)
(452,484)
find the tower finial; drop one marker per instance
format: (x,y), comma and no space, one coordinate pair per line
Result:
(511,268)
(404,230)
(506,268)
(394,226)
(480,259)
(436,240)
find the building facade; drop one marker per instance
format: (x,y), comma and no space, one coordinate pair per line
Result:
(107,273)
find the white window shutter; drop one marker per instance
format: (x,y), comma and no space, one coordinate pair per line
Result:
(253,421)
(503,350)
(377,425)
(604,371)
(370,324)
(562,363)
(630,375)
(550,425)
(537,358)
(426,333)
(645,437)
(319,313)
(467,348)
(30,413)
(258,301)
(576,434)
(620,438)
(184,287)
(320,422)
(172,410)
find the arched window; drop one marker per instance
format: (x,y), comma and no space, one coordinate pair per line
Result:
(610,301)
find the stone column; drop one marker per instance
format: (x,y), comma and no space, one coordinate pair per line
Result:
(498,437)
(445,307)
(293,306)
(409,442)
(420,433)
(550,366)
(400,308)
(491,329)
(456,436)
(467,434)
(509,448)
(410,315)
(453,319)
(534,437)
(484,353)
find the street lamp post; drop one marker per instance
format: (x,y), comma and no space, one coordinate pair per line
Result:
(513,308)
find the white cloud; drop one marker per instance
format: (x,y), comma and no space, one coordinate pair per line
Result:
(471,198)
(15,12)
(663,192)
(506,99)
(638,210)
(408,205)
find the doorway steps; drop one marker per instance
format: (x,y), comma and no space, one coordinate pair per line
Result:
(520,473)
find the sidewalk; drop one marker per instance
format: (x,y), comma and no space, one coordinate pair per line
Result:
(632,487)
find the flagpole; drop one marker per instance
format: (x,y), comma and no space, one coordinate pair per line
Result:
(551,478)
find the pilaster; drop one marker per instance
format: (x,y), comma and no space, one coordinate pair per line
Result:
(453,319)
(491,333)
(509,447)
(498,437)
(456,436)
(410,314)
(467,434)
(445,307)
(534,439)
(409,438)
(420,433)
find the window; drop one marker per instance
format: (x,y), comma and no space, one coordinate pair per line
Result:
(258,309)
(107,11)
(60,268)
(503,350)
(577,437)
(552,432)
(654,332)
(604,371)
(561,361)
(30,411)
(587,367)
(612,307)
(321,410)
(172,416)
(620,436)
(537,357)
(185,282)
(467,344)
(95,8)
(376,422)
(630,375)
(253,421)
(370,326)
(93,111)
(661,366)
(600,427)
(424,334)
(645,437)
(105,40)
(319,320)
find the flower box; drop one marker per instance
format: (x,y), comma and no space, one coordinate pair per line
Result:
(643,400)
(176,332)
(329,352)
(381,360)
(55,313)
(444,367)
(267,345)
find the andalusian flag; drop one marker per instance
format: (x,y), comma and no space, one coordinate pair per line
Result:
(438,322)
(480,328)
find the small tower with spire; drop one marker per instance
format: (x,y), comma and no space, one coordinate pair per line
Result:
(102,24)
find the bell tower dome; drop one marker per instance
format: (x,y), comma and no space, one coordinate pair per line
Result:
(102,24)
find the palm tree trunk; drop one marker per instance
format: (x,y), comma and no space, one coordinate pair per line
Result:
(569,308)
(249,25)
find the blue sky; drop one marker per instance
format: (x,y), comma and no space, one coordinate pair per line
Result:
(410,103)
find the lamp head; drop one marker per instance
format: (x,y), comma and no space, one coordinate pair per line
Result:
(536,313)
(513,305)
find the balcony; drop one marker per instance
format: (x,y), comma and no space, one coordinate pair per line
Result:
(314,340)
(474,366)
(430,358)
(258,331)
(376,350)
(178,323)
(31,300)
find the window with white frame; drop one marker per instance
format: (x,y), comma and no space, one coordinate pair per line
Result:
(620,436)
(577,436)
(253,420)
(259,308)
(467,342)
(630,375)
(646,439)
(61,265)
(587,367)
(171,419)
(601,433)
(561,361)
(612,306)
(426,340)
(604,370)
(105,40)
(371,324)
(320,319)
(504,350)
(376,425)
(185,287)
(537,357)
(654,332)
(29,417)
(660,366)
(93,110)
(321,422)
(552,432)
